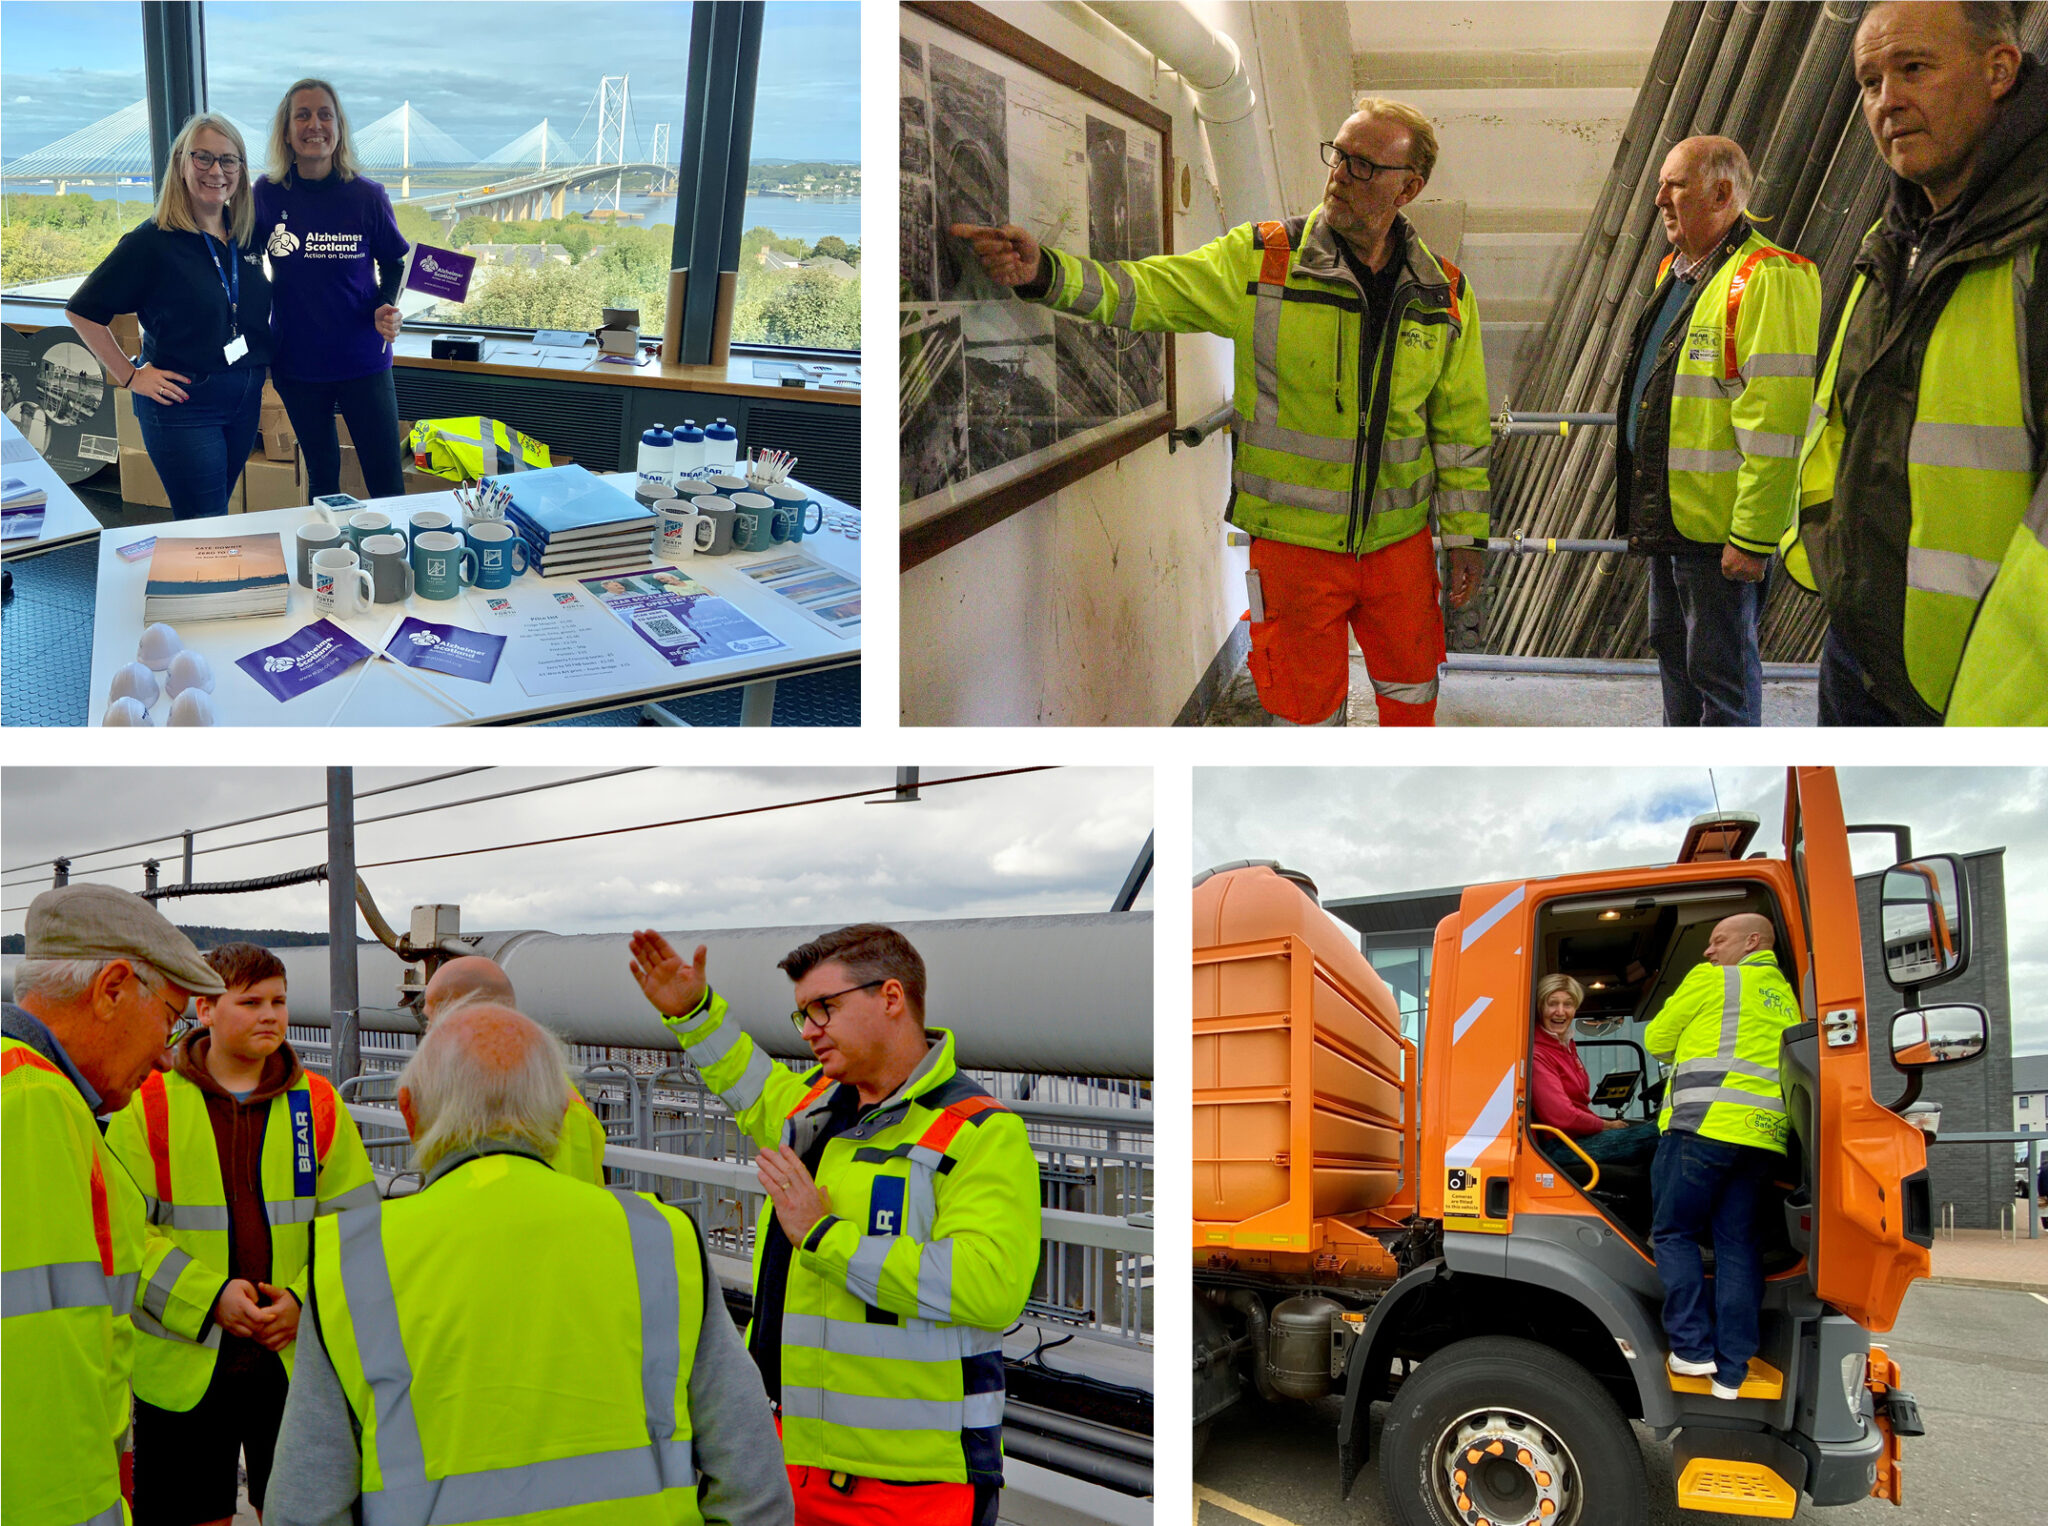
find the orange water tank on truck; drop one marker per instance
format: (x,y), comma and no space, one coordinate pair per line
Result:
(1388,1223)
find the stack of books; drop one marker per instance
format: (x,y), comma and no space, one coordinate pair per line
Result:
(574,525)
(228,578)
(23,509)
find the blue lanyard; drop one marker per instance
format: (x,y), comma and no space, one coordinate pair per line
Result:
(230,281)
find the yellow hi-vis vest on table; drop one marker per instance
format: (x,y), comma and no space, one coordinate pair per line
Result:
(1971,466)
(894,1312)
(313,1163)
(464,450)
(516,1345)
(1722,1027)
(71,1228)
(1337,449)
(1741,395)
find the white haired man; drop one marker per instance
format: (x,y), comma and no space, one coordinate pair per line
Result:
(1719,378)
(102,979)
(511,1342)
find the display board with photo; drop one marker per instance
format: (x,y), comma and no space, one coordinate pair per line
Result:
(1004,401)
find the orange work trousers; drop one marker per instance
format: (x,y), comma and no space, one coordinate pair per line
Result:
(1388,598)
(856,1501)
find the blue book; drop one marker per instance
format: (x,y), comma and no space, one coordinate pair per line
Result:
(567,504)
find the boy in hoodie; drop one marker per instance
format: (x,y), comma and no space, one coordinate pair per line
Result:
(236,1150)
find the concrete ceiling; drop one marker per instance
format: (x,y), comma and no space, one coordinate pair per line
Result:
(1500,25)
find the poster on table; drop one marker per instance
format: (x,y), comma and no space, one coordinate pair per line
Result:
(59,398)
(824,594)
(678,617)
(1004,401)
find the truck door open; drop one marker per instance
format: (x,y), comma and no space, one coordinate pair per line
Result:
(1472,1080)
(1870,1190)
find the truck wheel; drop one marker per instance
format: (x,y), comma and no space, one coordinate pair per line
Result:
(1511,1433)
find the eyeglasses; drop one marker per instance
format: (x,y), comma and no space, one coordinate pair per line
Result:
(817,1011)
(1360,170)
(232,163)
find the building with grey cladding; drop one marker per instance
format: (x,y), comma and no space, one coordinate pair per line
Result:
(1975,1097)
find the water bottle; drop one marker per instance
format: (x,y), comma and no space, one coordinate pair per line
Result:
(721,444)
(689,448)
(656,453)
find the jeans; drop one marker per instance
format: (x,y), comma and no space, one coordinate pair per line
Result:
(370,404)
(1705,1187)
(1703,629)
(1845,698)
(1632,1146)
(198,446)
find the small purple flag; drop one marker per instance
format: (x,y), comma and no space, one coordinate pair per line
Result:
(446,649)
(439,273)
(304,660)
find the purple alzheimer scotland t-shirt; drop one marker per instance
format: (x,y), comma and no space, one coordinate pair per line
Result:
(325,239)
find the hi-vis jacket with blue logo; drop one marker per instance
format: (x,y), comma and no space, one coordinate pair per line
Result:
(1337,449)
(893,1317)
(313,1163)
(1722,1027)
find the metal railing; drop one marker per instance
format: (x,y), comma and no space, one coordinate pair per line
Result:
(2033,1142)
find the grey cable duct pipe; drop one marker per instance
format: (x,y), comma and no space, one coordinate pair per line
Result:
(1214,70)
(1070,995)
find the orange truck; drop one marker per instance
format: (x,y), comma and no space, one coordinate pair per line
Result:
(1502,1293)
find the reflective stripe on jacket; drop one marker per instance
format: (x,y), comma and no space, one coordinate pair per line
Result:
(71,1229)
(1722,1027)
(514,1344)
(1337,449)
(313,1163)
(897,1300)
(466,449)
(1734,382)
(2003,680)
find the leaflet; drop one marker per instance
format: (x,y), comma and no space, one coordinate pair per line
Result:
(682,620)
(562,642)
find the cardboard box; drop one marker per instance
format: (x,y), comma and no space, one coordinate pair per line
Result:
(425,482)
(271,484)
(352,482)
(124,420)
(341,431)
(139,482)
(274,437)
(127,331)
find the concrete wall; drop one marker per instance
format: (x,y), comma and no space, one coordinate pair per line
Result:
(1975,1097)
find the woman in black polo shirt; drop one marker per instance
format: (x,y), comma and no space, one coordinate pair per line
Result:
(193,273)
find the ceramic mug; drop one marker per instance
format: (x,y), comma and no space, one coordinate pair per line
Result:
(316,535)
(365,523)
(798,503)
(719,514)
(442,566)
(340,586)
(427,522)
(727,484)
(676,539)
(390,569)
(501,555)
(758,524)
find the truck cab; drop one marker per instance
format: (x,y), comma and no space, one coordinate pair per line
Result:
(1522,1330)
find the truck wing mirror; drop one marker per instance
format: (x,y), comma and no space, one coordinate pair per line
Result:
(1924,919)
(1927,1037)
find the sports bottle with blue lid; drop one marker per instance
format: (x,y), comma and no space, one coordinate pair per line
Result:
(721,444)
(655,464)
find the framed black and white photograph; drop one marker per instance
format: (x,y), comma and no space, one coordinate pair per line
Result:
(1003,401)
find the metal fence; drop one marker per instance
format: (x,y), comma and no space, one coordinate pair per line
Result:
(1092,1137)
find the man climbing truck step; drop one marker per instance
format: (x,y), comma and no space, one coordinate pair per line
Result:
(1378,1217)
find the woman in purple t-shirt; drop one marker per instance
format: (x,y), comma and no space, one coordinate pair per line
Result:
(336,261)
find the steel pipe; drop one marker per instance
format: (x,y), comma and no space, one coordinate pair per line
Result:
(1604,667)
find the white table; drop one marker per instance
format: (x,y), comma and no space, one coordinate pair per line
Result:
(384,697)
(65,519)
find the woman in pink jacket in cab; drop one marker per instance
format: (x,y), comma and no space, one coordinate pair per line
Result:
(1559,1090)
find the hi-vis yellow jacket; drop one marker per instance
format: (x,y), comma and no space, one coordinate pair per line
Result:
(1725,468)
(893,1316)
(71,1246)
(1722,1027)
(1337,449)
(463,450)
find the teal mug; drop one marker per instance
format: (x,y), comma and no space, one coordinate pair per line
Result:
(426,522)
(442,566)
(797,503)
(758,524)
(501,555)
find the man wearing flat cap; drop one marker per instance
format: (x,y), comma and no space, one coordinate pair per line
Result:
(101,982)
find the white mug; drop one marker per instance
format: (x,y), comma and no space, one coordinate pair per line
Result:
(340,585)
(677,538)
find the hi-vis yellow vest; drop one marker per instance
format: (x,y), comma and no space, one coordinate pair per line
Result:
(463,450)
(894,1312)
(2003,680)
(71,1229)
(516,1345)
(313,1163)
(1336,450)
(1740,397)
(1971,466)
(1722,1028)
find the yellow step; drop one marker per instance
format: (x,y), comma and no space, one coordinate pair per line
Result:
(1726,1487)
(1763,1381)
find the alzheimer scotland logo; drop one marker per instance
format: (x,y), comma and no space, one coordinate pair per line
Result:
(283,242)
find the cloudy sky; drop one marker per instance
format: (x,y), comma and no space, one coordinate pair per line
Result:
(1056,841)
(484,74)
(1377,831)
